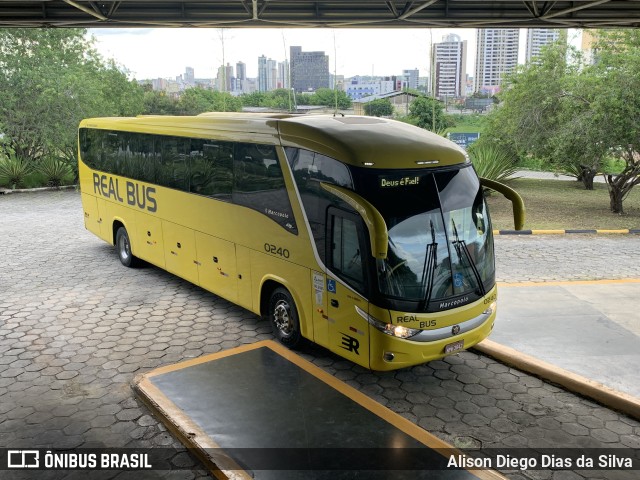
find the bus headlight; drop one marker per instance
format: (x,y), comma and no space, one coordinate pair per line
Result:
(388,328)
(400,331)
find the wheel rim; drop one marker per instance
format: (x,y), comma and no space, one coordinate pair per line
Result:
(282,317)
(124,248)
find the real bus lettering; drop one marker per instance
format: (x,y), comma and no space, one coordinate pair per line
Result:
(137,195)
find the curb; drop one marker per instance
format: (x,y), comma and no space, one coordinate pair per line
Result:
(635,231)
(7,191)
(573,382)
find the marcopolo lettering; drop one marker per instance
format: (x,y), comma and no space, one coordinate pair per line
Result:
(135,194)
(454,303)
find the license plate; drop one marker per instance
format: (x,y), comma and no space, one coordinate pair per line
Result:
(454,347)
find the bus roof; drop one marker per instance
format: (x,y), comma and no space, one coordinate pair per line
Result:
(357,140)
(370,141)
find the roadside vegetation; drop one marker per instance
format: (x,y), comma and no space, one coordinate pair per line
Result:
(558,204)
(576,116)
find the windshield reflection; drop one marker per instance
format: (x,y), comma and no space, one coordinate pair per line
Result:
(440,241)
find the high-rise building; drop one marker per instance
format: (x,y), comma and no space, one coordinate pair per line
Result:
(587,45)
(189,76)
(241,71)
(497,56)
(539,37)
(225,79)
(450,67)
(411,78)
(272,75)
(267,74)
(283,74)
(309,70)
(262,73)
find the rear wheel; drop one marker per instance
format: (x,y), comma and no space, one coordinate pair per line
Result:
(123,247)
(283,316)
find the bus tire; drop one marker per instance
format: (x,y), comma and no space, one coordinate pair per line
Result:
(283,316)
(123,247)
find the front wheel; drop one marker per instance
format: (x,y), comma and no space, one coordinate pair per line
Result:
(283,316)
(123,247)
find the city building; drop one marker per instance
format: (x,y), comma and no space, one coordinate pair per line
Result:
(587,45)
(309,70)
(189,76)
(497,55)
(283,75)
(539,37)
(411,78)
(267,74)
(241,77)
(159,84)
(450,67)
(337,82)
(225,79)
(272,75)
(262,73)
(358,87)
(399,100)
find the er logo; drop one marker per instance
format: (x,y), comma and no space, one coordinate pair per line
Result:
(349,343)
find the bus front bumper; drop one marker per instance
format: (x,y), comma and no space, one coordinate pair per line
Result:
(391,353)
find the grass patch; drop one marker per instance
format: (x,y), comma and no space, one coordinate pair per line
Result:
(556,204)
(469,123)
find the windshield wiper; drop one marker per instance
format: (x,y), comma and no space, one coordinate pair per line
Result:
(429,267)
(463,251)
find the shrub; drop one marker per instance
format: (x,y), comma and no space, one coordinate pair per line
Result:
(54,170)
(13,171)
(492,163)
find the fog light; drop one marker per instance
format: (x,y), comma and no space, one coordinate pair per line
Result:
(388,356)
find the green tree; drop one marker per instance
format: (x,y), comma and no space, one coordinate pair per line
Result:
(255,99)
(198,100)
(428,113)
(574,115)
(51,79)
(542,113)
(282,99)
(159,103)
(615,107)
(329,98)
(380,107)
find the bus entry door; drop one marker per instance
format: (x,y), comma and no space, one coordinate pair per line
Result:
(348,331)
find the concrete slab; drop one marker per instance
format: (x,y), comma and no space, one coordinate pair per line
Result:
(589,328)
(264,412)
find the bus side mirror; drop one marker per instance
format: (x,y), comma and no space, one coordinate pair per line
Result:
(378,233)
(513,196)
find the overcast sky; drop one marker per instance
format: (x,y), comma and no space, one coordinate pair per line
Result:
(153,53)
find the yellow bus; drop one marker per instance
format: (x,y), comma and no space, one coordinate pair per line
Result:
(368,236)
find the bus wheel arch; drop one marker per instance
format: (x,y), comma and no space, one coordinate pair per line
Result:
(122,243)
(279,307)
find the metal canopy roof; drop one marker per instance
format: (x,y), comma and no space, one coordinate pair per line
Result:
(334,14)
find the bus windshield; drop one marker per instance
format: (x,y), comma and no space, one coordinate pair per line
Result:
(440,242)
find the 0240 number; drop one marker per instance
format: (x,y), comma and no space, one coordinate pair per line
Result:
(273,249)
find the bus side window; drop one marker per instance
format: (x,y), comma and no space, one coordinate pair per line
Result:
(258,183)
(174,169)
(211,168)
(346,250)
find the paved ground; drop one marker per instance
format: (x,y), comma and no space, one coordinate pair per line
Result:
(592,328)
(76,327)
